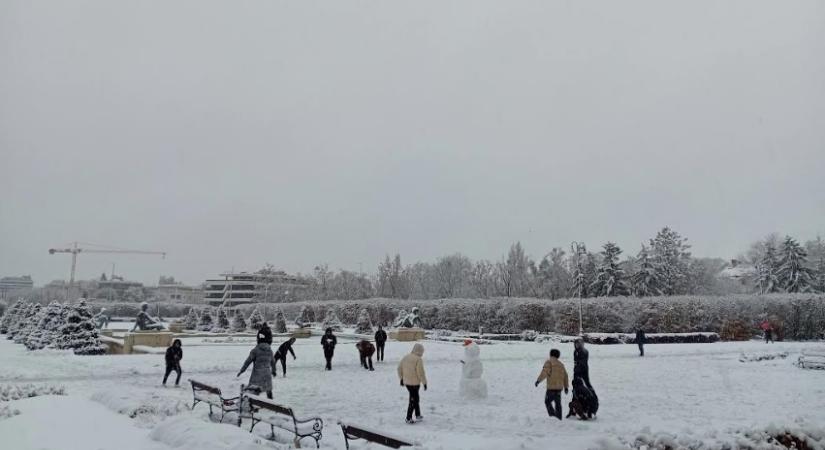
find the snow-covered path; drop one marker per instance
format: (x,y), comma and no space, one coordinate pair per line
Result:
(699,387)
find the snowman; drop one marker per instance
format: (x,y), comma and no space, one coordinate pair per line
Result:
(472,386)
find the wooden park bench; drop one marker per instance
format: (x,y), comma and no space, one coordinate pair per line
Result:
(275,415)
(212,396)
(357,432)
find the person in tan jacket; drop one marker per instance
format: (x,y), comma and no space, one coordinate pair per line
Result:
(411,374)
(556,376)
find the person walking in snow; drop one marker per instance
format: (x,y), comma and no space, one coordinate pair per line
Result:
(556,376)
(365,352)
(640,341)
(173,356)
(412,376)
(767,328)
(263,366)
(280,355)
(328,342)
(380,340)
(581,368)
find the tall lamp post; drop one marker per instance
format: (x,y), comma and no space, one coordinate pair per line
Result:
(579,250)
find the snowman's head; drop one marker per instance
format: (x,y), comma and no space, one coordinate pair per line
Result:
(471,351)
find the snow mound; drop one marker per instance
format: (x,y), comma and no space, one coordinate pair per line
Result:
(191,433)
(148,409)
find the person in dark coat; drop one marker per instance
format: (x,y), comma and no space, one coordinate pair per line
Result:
(380,340)
(173,356)
(365,351)
(328,342)
(581,368)
(585,403)
(640,341)
(265,333)
(280,355)
(263,364)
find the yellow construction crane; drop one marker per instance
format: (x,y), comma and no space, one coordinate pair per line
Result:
(75,250)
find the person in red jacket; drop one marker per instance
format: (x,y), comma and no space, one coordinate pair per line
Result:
(767,328)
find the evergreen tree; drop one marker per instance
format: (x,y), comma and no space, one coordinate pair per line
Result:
(29,324)
(279,325)
(590,270)
(610,277)
(222,322)
(646,280)
(20,320)
(53,317)
(767,271)
(238,321)
(256,319)
(11,315)
(671,257)
(79,333)
(190,322)
(331,321)
(206,321)
(364,325)
(793,274)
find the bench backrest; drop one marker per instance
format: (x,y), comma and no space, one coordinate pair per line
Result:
(373,436)
(198,386)
(270,406)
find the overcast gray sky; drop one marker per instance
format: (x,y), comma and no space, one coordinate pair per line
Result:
(231,134)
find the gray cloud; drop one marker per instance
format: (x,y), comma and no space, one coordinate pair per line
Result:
(231,135)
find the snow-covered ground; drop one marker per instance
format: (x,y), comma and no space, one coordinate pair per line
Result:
(701,389)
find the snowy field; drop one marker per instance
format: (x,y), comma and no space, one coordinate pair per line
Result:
(701,390)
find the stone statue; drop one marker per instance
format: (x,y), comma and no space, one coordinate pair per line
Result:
(144,322)
(411,320)
(101,319)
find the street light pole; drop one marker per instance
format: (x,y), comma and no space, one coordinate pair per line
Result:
(580,250)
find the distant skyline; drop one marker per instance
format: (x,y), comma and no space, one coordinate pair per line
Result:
(295,133)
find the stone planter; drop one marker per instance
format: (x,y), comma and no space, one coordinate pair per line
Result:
(407,334)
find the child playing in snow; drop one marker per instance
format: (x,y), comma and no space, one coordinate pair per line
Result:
(556,376)
(173,356)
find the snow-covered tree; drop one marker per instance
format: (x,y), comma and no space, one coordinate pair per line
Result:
(331,321)
(671,257)
(52,318)
(646,280)
(364,325)
(20,320)
(238,321)
(279,325)
(222,321)
(767,271)
(29,324)
(190,322)
(256,319)
(206,322)
(10,316)
(819,283)
(793,274)
(79,333)
(610,278)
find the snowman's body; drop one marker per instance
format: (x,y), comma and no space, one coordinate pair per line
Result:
(472,386)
